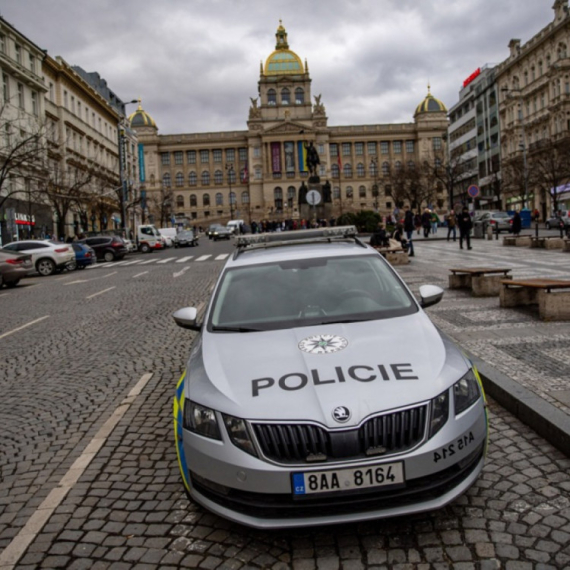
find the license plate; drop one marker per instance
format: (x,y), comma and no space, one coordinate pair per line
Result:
(348,479)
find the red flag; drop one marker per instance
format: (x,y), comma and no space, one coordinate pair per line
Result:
(339,162)
(245,173)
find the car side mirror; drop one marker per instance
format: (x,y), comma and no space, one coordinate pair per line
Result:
(430,295)
(186,318)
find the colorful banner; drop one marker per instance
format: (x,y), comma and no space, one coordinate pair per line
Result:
(141,163)
(289,148)
(276,156)
(302,156)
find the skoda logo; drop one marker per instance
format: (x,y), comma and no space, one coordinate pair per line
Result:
(341,414)
(323,344)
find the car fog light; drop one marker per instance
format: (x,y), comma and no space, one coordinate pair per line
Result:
(439,413)
(201,420)
(239,435)
(465,392)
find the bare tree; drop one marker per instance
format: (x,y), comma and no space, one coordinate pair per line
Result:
(161,204)
(517,178)
(445,174)
(409,183)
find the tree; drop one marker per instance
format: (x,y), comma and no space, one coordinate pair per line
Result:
(517,178)
(445,173)
(409,183)
(161,205)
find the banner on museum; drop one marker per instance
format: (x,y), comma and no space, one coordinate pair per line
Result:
(302,151)
(276,156)
(289,148)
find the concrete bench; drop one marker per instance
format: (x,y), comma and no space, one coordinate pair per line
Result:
(566,246)
(482,281)
(547,242)
(518,241)
(551,295)
(394,256)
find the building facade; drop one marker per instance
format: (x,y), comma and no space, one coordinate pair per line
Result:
(257,173)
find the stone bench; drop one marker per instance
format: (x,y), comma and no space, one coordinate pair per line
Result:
(482,281)
(566,246)
(551,295)
(518,241)
(547,242)
(394,256)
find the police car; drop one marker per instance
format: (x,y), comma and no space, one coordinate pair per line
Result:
(318,391)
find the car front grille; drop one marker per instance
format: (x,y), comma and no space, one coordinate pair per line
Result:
(383,435)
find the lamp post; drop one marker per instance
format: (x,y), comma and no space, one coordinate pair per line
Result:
(375,190)
(231,172)
(122,165)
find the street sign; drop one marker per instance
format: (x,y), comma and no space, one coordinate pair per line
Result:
(473,191)
(313,197)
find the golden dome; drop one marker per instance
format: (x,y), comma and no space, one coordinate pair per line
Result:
(430,105)
(141,119)
(283,61)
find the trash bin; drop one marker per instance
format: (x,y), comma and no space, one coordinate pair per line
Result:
(478,231)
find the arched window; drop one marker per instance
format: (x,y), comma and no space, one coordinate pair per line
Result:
(218,177)
(349,192)
(360,170)
(361,192)
(192,179)
(561,51)
(231,175)
(285,96)
(373,168)
(219,199)
(336,193)
(193,201)
(166,180)
(180,201)
(334,171)
(179,179)
(271,97)
(347,168)
(299,96)
(205,178)
(206,200)
(278,196)
(385,168)
(291,196)
(398,166)
(245,197)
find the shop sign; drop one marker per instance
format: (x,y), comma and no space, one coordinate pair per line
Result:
(475,74)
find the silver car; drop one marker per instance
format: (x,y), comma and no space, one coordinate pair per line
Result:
(318,391)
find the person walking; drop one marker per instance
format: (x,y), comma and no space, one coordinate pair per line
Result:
(451,225)
(517,224)
(418,222)
(426,222)
(434,222)
(409,225)
(465,225)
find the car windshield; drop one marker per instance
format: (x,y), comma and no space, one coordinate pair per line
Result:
(308,292)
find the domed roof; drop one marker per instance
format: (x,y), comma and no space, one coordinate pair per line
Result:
(430,105)
(141,119)
(283,61)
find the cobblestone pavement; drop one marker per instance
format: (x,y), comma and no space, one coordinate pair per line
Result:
(72,403)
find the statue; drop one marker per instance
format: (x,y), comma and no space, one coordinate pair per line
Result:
(254,110)
(312,158)
(327,196)
(318,107)
(303,194)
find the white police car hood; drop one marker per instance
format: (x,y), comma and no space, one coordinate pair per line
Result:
(305,373)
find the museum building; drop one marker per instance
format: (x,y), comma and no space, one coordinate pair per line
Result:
(257,173)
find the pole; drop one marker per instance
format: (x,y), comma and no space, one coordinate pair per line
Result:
(230,169)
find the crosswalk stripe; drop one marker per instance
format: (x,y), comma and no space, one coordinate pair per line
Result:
(132,262)
(166,260)
(203,257)
(222,256)
(117,263)
(98,265)
(183,259)
(148,261)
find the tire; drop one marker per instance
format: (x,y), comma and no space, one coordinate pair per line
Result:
(145,248)
(45,267)
(12,283)
(71,266)
(109,256)
(1,282)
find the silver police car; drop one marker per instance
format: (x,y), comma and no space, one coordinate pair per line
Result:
(318,391)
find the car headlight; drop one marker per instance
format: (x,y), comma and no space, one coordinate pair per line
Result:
(466,392)
(439,412)
(237,430)
(201,420)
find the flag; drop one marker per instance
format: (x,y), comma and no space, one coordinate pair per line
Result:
(245,174)
(339,163)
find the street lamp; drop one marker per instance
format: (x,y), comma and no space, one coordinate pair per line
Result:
(122,165)
(375,190)
(231,172)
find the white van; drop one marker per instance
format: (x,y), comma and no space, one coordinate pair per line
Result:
(168,234)
(148,238)
(233,225)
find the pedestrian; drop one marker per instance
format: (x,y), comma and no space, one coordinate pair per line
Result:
(379,238)
(398,235)
(536,215)
(409,229)
(465,225)
(426,222)
(418,222)
(517,224)
(434,222)
(451,225)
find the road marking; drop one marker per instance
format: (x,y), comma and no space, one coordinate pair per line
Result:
(139,274)
(148,261)
(100,293)
(181,272)
(23,327)
(78,281)
(183,259)
(203,258)
(3,294)
(98,265)
(166,260)
(117,263)
(222,256)
(10,556)
(133,262)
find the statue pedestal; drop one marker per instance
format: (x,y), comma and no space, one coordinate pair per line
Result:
(320,211)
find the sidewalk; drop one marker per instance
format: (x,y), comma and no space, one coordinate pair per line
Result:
(524,362)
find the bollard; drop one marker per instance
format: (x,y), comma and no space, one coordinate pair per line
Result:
(561,229)
(536,228)
(496,231)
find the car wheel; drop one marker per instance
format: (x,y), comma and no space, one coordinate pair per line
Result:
(109,256)
(45,267)
(1,282)
(12,283)
(71,266)
(547,226)
(145,248)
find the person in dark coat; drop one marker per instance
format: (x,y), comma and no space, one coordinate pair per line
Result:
(465,225)
(380,238)
(426,222)
(409,225)
(517,224)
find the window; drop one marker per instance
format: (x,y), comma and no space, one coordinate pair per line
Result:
(371,148)
(5,88)
(349,192)
(291,193)
(278,197)
(218,177)
(410,147)
(411,164)
(204,156)
(361,192)
(231,176)
(20,96)
(285,96)
(397,146)
(178,157)
(217,154)
(230,155)
(242,154)
(180,201)
(359,148)
(321,148)
(256,152)
(398,166)
(299,96)
(385,147)
(193,201)
(271,97)
(18,51)
(192,179)
(191,156)
(233,198)
(437,143)
(333,149)
(166,180)
(165,158)
(2,43)
(205,178)
(346,149)
(73,104)
(219,199)
(335,170)
(179,179)
(373,168)
(245,197)
(385,168)
(206,200)
(360,172)
(32,63)
(347,168)
(336,193)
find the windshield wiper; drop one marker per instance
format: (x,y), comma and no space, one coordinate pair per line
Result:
(235,329)
(343,322)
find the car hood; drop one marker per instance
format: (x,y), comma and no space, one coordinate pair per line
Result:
(366,367)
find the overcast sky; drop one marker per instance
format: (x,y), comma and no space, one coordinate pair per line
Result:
(195,63)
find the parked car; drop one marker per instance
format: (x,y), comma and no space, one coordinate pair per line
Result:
(84,255)
(107,248)
(168,235)
(185,238)
(48,256)
(221,232)
(554,221)
(496,219)
(130,245)
(13,267)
